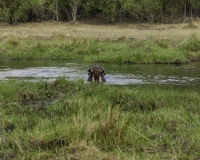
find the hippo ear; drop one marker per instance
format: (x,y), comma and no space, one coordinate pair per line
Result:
(100,70)
(91,70)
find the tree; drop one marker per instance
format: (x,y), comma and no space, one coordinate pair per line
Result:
(107,7)
(194,5)
(69,9)
(14,11)
(132,7)
(56,10)
(142,9)
(74,8)
(9,10)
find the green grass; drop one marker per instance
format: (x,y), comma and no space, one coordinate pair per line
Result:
(95,50)
(73,120)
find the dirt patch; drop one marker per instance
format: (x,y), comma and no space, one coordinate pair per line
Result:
(114,31)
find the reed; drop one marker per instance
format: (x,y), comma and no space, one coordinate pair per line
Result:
(95,50)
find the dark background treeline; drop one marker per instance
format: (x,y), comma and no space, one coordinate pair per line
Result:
(161,11)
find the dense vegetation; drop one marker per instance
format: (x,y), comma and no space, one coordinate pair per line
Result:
(121,50)
(73,120)
(14,11)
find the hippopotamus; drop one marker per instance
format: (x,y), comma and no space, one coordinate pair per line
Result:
(96,74)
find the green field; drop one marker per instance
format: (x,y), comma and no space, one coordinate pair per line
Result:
(94,50)
(74,120)
(110,44)
(77,120)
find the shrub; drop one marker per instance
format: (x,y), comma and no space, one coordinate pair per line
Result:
(192,43)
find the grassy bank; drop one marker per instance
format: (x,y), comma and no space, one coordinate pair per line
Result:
(122,50)
(73,120)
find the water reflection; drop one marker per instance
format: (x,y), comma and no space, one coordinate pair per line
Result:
(122,74)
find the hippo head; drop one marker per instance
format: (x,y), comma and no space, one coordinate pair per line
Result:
(96,74)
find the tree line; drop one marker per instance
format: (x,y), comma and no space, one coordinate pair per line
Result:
(169,11)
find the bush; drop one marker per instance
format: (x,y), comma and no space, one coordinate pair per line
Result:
(192,43)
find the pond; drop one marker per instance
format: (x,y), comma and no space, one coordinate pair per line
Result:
(185,75)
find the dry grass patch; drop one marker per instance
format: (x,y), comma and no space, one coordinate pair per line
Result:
(83,150)
(191,26)
(114,31)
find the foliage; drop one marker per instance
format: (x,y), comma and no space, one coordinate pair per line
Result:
(13,11)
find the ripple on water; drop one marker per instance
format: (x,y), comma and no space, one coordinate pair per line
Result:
(115,73)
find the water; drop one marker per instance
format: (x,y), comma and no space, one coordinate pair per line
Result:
(187,75)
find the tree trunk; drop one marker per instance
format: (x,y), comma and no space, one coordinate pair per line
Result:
(161,12)
(56,5)
(110,15)
(172,16)
(74,11)
(11,15)
(191,18)
(184,15)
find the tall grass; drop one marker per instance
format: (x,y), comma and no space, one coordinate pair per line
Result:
(94,121)
(192,43)
(120,51)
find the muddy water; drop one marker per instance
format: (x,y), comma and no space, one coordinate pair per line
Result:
(187,75)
